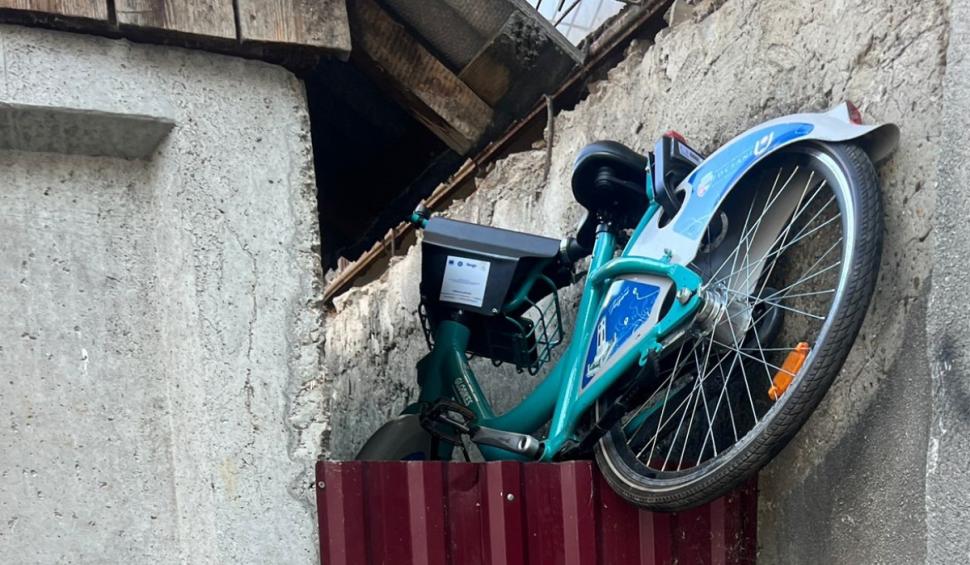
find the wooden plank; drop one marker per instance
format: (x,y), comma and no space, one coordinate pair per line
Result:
(315,23)
(214,18)
(90,9)
(426,88)
(512,81)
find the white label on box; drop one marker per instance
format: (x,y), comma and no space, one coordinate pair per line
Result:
(464,281)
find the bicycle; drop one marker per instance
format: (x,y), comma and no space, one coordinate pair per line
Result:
(721,297)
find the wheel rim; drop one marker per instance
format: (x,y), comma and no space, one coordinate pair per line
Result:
(774,282)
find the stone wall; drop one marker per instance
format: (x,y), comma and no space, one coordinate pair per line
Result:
(158,275)
(851,486)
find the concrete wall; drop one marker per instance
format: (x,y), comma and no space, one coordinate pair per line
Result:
(852,487)
(158,306)
(948,328)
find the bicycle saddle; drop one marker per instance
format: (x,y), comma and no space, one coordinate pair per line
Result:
(609,180)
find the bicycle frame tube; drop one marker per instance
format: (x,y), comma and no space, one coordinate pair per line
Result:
(445,373)
(547,395)
(573,403)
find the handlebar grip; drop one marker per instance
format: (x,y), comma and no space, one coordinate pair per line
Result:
(420,216)
(570,251)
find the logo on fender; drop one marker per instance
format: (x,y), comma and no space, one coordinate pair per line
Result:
(763,144)
(704,184)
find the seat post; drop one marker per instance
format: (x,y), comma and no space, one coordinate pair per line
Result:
(604,248)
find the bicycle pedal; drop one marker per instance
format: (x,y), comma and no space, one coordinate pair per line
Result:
(448,420)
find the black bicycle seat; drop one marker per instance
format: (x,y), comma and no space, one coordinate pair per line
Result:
(609,180)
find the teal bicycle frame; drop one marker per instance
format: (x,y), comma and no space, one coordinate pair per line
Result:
(445,372)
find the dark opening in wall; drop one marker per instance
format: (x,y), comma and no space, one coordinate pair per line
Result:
(388,126)
(374,162)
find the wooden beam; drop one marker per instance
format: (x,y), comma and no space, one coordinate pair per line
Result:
(213,18)
(89,9)
(425,87)
(315,23)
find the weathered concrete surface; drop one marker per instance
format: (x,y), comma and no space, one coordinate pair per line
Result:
(850,488)
(948,453)
(159,314)
(25,127)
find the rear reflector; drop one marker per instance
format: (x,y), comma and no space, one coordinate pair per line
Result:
(784,377)
(855,116)
(676,135)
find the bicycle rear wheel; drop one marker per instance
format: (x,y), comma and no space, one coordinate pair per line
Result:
(789,262)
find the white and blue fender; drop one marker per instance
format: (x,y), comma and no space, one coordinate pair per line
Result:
(631,306)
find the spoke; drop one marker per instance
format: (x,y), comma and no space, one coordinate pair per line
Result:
(761,352)
(669,382)
(814,293)
(717,406)
(803,280)
(766,349)
(663,425)
(680,423)
(710,426)
(686,400)
(663,407)
(782,306)
(745,232)
(782,294)
(733,257)
(690,423)
(777,253)
(784,235)
(748,355)
(791,309)
(677,431)
(744,373)
(795,217)
(710,423)
(734,427)
(696,384)
(674,411)
(749,238)
(724,386)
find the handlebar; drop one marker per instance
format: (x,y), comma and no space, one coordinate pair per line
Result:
(571,252)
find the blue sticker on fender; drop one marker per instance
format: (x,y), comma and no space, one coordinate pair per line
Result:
(712,179)
(627,309)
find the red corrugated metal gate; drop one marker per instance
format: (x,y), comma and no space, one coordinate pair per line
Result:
(510,513)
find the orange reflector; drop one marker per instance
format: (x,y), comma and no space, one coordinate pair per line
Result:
(789,369)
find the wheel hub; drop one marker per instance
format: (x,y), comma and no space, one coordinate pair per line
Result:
(724,313)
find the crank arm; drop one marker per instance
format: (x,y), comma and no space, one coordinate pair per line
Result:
(523,444)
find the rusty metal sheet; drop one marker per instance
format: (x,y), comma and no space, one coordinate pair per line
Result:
(433,513)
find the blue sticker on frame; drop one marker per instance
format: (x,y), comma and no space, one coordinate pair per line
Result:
(627,309)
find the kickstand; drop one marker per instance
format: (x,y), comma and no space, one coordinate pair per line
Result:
(464,448)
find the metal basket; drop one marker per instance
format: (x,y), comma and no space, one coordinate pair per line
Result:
(525,337)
